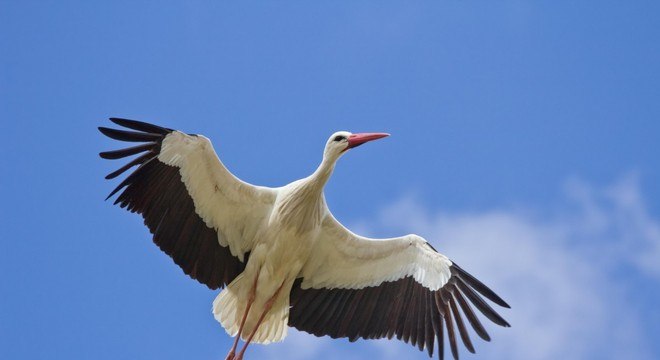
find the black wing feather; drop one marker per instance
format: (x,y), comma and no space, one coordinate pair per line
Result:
(402,308)
(155,191)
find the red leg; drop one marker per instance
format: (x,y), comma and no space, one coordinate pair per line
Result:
(267,306)
(232,353)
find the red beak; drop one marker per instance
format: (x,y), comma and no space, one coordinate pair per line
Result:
(356,140)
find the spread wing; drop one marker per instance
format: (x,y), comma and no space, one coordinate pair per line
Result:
(199,213)
(357,287)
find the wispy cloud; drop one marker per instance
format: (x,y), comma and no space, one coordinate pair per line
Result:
(562,274)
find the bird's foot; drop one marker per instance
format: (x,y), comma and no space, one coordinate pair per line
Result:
(231,356)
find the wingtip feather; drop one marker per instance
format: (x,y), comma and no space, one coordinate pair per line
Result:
(140,126)
(479,286)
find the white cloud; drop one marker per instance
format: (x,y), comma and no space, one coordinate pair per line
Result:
(561,273)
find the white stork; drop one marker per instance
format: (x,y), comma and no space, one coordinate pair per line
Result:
(284,259)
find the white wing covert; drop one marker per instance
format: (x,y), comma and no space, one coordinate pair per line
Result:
(345,260)
(233,207)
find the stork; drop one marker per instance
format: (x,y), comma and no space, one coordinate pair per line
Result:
(281,257)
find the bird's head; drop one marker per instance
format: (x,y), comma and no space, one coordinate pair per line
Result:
(341,141)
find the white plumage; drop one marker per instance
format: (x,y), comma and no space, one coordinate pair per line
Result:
(284,259)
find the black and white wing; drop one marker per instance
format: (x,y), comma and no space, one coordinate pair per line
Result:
(198,212)
(357,287)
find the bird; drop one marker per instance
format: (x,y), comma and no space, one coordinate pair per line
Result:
(282,259)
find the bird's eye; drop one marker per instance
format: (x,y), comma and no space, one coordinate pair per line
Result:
(340,137)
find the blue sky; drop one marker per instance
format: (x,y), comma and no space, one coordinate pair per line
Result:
(524,146)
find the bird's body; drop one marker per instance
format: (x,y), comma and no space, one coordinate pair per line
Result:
(282,247)
(284,259)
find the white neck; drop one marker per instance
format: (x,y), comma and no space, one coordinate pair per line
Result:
(320,177)
(304,205)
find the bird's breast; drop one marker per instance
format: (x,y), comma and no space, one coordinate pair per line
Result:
(298,211)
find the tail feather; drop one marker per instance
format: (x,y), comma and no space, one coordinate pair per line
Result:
(224,310)
(275,325)
(229,307)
